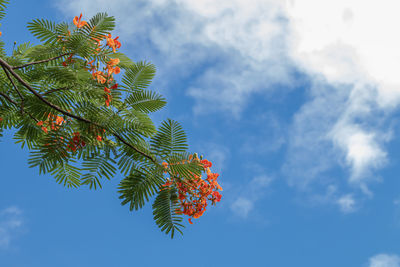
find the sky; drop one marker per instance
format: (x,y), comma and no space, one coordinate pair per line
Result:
(295,102)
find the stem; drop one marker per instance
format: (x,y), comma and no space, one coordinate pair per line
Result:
(8,98)
(16,89)
(16,104)
(56,90)
(39,62)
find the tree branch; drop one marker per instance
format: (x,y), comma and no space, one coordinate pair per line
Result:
(8,98)
(39,62)
(5,65)
(56,90)
(16,89)
(16,104)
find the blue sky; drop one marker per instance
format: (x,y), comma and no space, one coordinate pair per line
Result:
(295,103)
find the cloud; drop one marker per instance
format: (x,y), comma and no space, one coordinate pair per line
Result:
(384,260)
(242,206)
(229,51)
(353,62)
(226,51)
(10,223)
(245,200)
(347,203)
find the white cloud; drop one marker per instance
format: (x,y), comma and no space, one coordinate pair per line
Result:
(231,49)
(384,260)
(347,203)
(10,222)
(249,195)
(359,58)
(242,206)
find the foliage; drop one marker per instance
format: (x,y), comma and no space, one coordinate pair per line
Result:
(81,126)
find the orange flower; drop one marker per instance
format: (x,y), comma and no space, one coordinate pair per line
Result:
(113,43)
(59,120)
(99,138)
(108,100)
(77,21)
(165,164)
(99,75)
(113,61)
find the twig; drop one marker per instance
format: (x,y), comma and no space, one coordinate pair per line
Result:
(56,90)
(16,104)
(38,62)
(16,89)
(8,98)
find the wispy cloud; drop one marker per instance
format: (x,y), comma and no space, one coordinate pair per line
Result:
(334,45)
(230,50)
(347,203)
(242,206)
(249,194)
(225,51)
(384,260)
(10,223)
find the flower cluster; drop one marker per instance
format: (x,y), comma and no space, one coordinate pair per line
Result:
(76,142)
(77,21)
(195,192)
(53,122)
(104,76)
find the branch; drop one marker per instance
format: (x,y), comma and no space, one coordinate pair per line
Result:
(38,62)
(16,104)
(16,89)
(8,98)
(56,90)
(66,113)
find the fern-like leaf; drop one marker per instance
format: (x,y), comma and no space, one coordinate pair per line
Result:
(137,188)
(146,101)
(164,213)
(170,138)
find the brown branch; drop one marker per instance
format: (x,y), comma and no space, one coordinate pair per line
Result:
(56,90)
(16,89)
(38,62)
(16,104)
(4,64)
(8,98)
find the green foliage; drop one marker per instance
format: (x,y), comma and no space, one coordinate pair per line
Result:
(139,186)
(3,4)
(57,109)
(170,138)
(164,208)
(138,76)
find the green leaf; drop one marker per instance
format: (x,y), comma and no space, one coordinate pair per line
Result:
(97,166)
(170,138)
(44,30)
(146,101)
(180,165)
(138,76)
(139,186)
(164,213)
(67,175)
(99,25)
